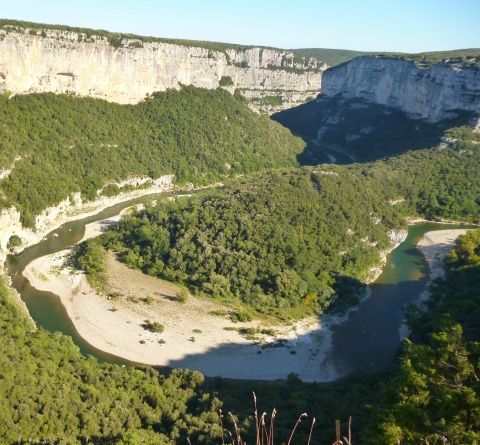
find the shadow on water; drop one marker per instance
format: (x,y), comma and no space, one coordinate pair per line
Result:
(366,341)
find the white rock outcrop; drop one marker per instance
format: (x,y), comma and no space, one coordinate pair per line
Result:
(68,210)
(69,62)
(432,94)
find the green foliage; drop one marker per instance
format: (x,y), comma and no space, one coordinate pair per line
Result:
(353,396)
(437,184)
(272,242)
(154,326)
(436,392)
(90,257)
(69,144)
(334,57)
(241,316)
(226,81)
(464,57)
(331,57)
(273,101)
(466,251)
(182,296)
(13,242)
(363,131)
(52,394)
(299,241)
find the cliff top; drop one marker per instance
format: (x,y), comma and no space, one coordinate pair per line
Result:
(463,57)
(469,57)
(330,57)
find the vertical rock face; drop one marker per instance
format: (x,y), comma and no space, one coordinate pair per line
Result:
(432,94)
(70,62)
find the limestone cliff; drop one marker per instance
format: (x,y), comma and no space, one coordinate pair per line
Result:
(51,60)
(432,93)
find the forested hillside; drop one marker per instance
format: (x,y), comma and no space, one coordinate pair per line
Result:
(57,145)
(50,393)
(299,239)
(275,242)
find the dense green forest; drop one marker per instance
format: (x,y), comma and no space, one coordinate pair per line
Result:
(64,144)
(297,241)
(274,242)
(50,393)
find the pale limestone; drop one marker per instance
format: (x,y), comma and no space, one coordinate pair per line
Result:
(69,62)
(432,94)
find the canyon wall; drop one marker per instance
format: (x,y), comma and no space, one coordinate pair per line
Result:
(50,60)
(433,93)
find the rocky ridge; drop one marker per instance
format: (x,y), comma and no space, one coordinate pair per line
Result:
(435,93)
(127,71)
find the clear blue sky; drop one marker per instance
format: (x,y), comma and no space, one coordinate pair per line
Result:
(377,25)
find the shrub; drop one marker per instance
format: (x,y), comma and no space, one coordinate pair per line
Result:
(182,296)
(240,317)
(13,242)
(226,81)
(153,326)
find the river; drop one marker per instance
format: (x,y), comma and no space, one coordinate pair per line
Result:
(366,341)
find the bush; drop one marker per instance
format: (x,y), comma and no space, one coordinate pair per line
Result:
(90,257)
(240,317)
(226,81)
(13,242)
(182,296)
(153,326)
(273,100)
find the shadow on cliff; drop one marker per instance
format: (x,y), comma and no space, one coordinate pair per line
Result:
(342,131)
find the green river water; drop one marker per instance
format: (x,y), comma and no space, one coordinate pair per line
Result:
(366,341)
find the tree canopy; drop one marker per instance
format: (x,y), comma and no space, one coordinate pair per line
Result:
(56,145)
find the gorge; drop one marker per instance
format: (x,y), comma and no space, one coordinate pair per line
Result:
(278,198)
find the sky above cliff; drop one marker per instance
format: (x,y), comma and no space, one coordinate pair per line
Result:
(374,25)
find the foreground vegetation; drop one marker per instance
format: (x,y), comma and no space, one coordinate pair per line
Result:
(436,392)
(50,393)
(58,145)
